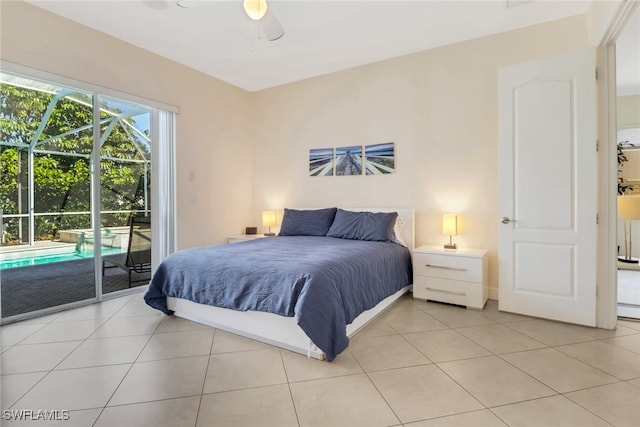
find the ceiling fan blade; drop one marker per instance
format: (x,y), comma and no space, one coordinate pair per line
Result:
(270,26)
(191,3)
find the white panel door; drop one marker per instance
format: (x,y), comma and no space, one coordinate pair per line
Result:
(547,235)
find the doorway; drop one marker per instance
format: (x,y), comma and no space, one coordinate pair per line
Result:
(628,140)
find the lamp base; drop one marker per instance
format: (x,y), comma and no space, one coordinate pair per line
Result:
(450,246)
(628,260)
(269,234)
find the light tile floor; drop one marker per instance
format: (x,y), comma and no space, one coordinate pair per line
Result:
(120,363)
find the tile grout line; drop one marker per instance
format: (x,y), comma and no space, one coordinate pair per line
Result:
(499,356)
(286,375)
(492,354)
(432,363)
(63,359)
(558,393)
(130,365)
(364,371)
(204,380)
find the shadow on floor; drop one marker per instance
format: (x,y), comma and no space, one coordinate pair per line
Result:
(36,287)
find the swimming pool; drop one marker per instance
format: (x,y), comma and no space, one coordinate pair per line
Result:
(38,259)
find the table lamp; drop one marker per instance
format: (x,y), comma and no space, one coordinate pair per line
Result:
(450,228)
(628,210)
(269,220)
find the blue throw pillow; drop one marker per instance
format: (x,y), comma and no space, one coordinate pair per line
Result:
(307,222)
(376,226)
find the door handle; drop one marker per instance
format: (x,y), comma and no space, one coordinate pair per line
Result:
(506,220)
(445,267)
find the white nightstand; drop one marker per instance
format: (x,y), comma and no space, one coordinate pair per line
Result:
(452,276)
(244,237)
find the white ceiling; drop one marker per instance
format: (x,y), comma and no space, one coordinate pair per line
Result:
(321,36)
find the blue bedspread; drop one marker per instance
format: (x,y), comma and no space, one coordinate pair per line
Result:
(324,282)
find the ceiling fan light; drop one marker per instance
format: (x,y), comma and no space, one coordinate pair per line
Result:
(255,8)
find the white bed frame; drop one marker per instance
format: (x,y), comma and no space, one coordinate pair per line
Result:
(279,330)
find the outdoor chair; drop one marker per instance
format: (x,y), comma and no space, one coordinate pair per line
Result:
(138,256)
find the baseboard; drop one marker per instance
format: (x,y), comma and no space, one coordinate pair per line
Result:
(493,293)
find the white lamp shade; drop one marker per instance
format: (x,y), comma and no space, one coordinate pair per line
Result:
(629,207)
(269,218)
(449,224)
(255,8)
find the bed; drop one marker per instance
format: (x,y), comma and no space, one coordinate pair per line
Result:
(323,278)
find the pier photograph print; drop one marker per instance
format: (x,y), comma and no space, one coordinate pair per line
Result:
(380,158)
(349,160)
(321,162)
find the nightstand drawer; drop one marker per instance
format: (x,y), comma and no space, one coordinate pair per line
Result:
(450,291)
(448,267)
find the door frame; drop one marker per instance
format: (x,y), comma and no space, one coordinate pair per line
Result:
(607,267)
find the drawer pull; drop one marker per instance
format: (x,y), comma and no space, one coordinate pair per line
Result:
(444,267)
(444,291)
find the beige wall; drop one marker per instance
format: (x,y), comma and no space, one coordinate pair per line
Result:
(213,129)
(440,109)
(628,110)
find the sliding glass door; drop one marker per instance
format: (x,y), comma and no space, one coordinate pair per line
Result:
(75,196)
(125,189)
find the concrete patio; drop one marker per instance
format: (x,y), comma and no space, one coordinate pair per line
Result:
(26,289)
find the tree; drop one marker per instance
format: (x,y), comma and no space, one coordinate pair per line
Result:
(62,160)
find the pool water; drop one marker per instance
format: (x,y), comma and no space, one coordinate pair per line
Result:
(47,259)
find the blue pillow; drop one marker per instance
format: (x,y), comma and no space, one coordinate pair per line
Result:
(307,222)
(376,226)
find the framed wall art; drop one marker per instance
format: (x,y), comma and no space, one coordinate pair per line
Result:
(321,162)
(380,158)
(349,160)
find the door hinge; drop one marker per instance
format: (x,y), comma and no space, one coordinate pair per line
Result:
(597,218)
(596,73)
(597,145)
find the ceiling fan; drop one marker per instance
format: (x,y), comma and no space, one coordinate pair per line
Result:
(258,10)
